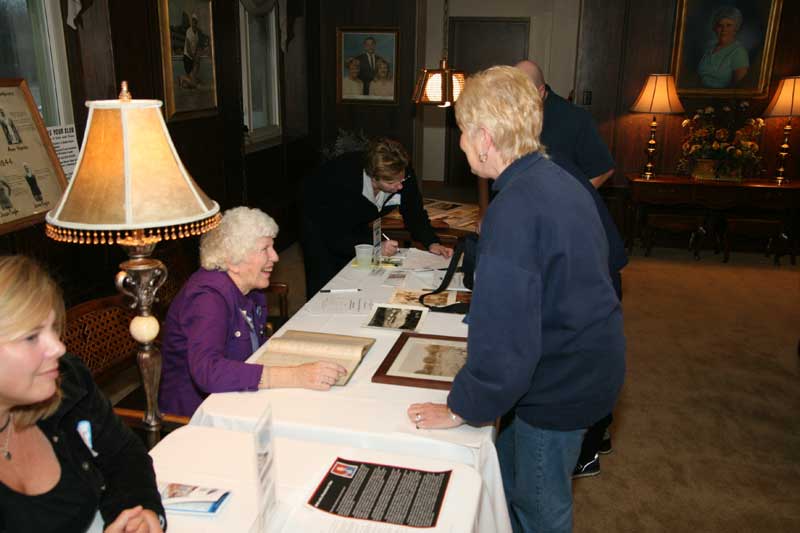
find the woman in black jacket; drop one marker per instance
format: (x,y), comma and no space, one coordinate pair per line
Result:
(64,454)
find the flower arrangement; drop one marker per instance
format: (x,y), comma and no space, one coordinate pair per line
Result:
(726,138)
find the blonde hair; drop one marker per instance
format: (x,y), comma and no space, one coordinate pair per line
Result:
(503,101)
(235,237)
(27,296)
(385,157)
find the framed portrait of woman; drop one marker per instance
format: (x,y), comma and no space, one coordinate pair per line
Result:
(366,70)
(724,48)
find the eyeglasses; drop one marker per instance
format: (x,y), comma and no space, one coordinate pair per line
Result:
(393,181)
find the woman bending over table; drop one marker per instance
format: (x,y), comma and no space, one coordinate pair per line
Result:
(63,452)
(217,320)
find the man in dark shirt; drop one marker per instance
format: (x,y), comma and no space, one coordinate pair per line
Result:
(572,140)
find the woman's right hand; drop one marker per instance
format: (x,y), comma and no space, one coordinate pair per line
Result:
(318,376)
(389,248)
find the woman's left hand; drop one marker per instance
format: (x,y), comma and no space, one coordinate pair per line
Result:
(438,249)
(433,416)
(135,520)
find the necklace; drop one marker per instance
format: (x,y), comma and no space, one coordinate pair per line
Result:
(4,449)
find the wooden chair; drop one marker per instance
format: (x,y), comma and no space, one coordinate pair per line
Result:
(97,331)
(281,293)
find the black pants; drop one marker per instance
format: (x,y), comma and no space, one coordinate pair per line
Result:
(594,435)
(593,439)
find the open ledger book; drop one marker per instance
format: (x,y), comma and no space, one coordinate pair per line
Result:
(300,347)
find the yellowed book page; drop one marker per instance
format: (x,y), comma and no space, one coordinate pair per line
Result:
(300,347)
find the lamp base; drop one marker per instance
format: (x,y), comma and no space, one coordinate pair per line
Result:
(140,277)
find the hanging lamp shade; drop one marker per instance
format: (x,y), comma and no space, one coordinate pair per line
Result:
(129,182)
(441,86)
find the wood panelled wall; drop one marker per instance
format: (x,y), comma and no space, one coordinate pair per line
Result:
(119,39)
(621,42)
(396,121)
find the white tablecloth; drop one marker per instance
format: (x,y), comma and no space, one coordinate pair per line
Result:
(225,459)
(364,414)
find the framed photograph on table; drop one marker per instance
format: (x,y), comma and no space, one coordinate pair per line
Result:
(31,178)
(366,68)
(725,51)
(419,360)
(187,58)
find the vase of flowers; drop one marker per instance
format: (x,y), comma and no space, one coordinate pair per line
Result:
(723,141)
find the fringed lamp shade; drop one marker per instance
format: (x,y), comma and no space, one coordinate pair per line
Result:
(130,188)
(129,181)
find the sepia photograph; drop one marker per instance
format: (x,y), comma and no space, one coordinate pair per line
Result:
(396,316)
(411,297)
(31,177)
(419,360)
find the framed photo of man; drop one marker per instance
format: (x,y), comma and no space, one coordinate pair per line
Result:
(187,53)
(724,48)
(31,178)
(366,69)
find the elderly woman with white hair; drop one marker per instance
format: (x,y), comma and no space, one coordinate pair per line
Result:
(725,61)
(546,346)
(217,320)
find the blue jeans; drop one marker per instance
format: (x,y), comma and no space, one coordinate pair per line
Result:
(537,466)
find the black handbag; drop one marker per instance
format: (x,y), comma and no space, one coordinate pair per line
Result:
(468,247)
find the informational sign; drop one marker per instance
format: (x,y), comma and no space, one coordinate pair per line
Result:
(382,493)
(65,144)
(376,241)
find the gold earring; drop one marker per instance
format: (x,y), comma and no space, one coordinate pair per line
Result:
(483,157)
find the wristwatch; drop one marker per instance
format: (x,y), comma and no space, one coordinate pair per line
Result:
(454,417)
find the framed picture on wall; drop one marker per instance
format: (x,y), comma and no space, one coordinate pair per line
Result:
(31,179)
(187,52)
(725,48)
(366,68)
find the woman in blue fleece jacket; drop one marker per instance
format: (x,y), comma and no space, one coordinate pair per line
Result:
(545,327)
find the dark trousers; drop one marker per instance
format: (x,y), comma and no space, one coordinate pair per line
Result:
(594,435)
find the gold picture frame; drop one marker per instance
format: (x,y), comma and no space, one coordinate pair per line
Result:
(187,58)
(363,78)
(707,63)
(31,178)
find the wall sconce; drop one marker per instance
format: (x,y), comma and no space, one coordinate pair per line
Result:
(130,188)
(439,86)
(658,96)
(785,103)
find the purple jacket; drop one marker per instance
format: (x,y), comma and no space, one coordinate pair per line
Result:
(206,341)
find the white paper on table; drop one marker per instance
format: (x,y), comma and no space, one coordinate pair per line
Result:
(340,304)
(420,260)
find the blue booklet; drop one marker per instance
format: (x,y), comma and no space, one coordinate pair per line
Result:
(180,498)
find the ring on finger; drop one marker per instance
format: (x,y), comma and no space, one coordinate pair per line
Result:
(418,417)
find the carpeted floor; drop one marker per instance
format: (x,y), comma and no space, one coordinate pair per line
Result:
(707,430)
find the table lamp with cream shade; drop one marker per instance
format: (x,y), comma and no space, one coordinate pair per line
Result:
(658,96)
(785,103)
(130,188)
